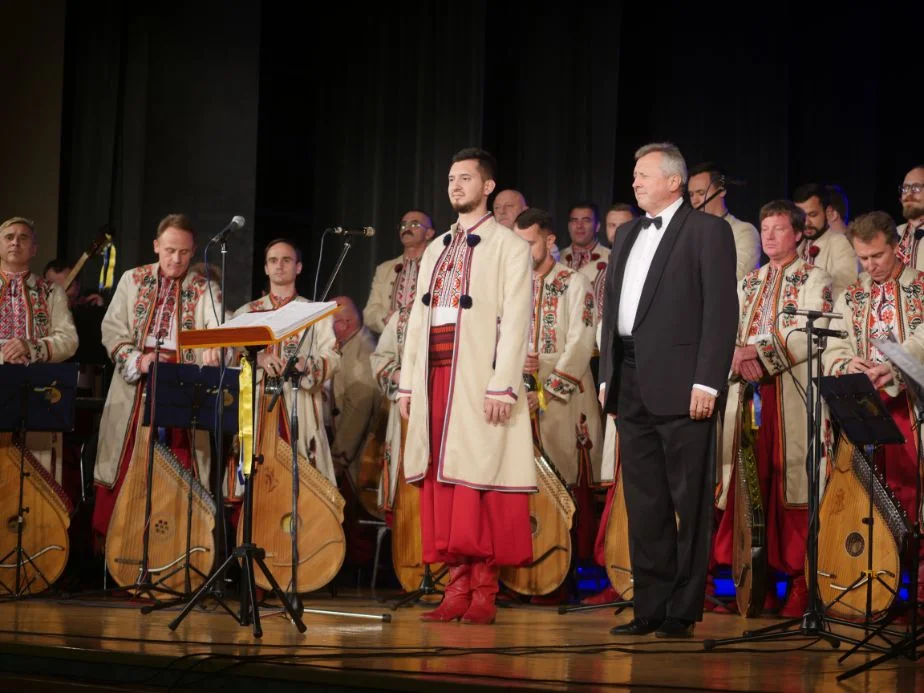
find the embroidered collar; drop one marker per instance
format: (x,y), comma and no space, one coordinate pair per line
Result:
(280,301)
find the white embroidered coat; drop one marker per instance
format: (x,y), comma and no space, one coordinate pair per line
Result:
(563,335)
(782,352)
(490,350)
(321,361)
(124,331)
(51,338)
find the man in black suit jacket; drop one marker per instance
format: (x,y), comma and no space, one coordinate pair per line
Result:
(669,323)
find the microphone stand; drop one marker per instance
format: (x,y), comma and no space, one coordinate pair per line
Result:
(293,376)
(813,622)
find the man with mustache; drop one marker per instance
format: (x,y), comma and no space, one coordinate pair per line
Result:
(394,284)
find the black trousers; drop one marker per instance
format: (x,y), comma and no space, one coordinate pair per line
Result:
(667,473)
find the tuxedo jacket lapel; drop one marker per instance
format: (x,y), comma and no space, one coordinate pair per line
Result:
(659,262)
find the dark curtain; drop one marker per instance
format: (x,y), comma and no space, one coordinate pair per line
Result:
(359,116)
(551,102)
(795,93)
(160,117)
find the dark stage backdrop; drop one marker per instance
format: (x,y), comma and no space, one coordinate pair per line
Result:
(161,117)
(349,117)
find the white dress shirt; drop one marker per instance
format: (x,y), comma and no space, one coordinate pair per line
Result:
(637,266)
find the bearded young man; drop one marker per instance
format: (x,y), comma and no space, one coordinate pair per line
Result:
(461,389)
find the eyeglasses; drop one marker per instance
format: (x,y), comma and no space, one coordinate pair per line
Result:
(405,225)
(913,188)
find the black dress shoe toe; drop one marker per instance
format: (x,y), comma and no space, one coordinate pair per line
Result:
(675,628)
(638,626)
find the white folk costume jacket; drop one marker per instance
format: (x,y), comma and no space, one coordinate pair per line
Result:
(35,310)
(394,287)
(833,253)
(747,244)
(356,399)
(385,362)
(562,333)
(893,309)
(492,304)
(592,264)
(321,361)
(909,249)
(125,329)
(762,296)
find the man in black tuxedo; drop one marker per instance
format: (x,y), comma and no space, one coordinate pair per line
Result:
(669,324)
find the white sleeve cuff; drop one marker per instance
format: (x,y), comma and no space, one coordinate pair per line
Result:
(132,374)
(706,388)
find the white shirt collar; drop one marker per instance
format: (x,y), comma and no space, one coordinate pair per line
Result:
(668,213)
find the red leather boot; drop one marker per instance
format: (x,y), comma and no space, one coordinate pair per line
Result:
(457,597)
(484,589)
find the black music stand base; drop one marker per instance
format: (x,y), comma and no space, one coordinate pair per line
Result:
(428,586)
(247,554)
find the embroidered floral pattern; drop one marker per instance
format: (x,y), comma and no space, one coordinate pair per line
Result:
(450,273)
(545,317)
(404,286)
(587,314)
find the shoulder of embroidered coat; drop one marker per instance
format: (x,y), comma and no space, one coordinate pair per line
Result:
(143,271)
(42,285)
(753,278)
(388,264)
(855,290)
(911,278)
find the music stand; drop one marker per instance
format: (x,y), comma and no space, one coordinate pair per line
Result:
(185,397)
(252,332)
(913,376)
(39,397)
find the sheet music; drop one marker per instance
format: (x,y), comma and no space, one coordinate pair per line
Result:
(903,361)
(282,321)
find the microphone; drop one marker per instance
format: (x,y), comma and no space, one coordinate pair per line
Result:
(365,231)
(824,332)
(236,224)
(811,314)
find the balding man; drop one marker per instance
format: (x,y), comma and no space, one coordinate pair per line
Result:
(394,284)
(507,207)
(355,396)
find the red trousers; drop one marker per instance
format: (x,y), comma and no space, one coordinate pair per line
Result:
(461,524)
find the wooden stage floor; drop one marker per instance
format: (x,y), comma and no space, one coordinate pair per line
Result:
(110,645)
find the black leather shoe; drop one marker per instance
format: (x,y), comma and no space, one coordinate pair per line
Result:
(675,628)
(638,626)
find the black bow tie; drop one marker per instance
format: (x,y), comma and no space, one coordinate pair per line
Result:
(919,233)
(648,221)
